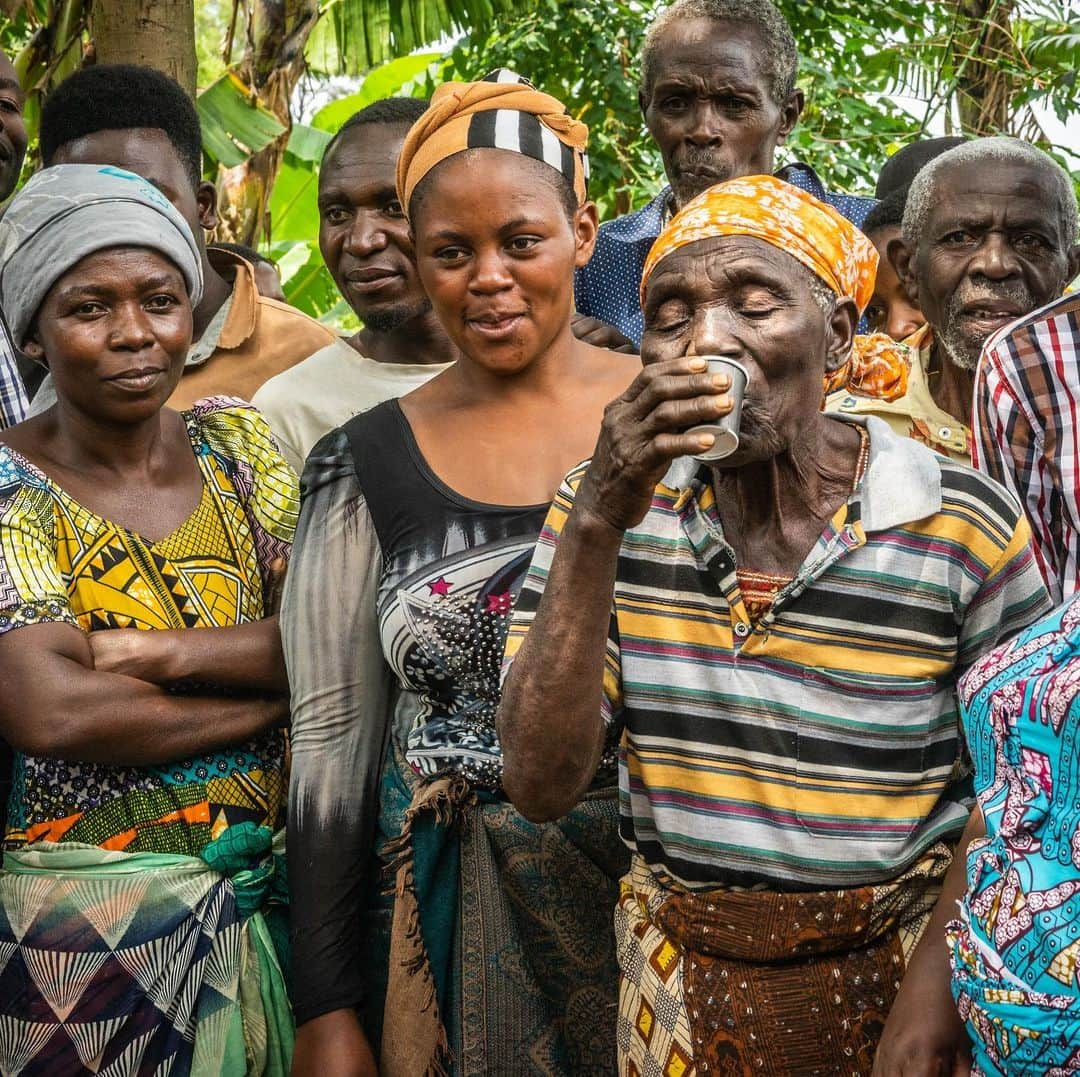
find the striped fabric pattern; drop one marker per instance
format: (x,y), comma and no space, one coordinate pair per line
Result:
(1027,431)
(820,747)
(522,132)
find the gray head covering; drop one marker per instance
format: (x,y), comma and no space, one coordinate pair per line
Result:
(65,213)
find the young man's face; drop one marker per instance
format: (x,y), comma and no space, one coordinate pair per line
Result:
(363,233)
(148,152)
(890,311)
(12,129)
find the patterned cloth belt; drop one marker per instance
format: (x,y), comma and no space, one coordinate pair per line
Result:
(141,959)
(761,981)
(767,926)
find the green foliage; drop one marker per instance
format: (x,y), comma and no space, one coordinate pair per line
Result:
(547,43)
(404,76)
(233,125)
(356,35)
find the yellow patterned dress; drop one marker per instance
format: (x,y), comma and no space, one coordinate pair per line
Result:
(125,887)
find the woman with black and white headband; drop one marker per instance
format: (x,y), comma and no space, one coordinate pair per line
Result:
(419,522)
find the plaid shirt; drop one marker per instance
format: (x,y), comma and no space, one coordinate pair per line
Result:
(1027,434)
(13,402)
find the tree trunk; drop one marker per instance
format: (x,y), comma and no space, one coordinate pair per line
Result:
(273,62)
(984,84)
(154,33)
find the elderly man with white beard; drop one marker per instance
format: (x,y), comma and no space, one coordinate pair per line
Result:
(988,236)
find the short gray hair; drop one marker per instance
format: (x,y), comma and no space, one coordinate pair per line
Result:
(989,151)
(781,54)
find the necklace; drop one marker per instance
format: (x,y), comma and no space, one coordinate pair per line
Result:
(864,456)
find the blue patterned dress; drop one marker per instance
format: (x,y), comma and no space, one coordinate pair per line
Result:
(1016,946)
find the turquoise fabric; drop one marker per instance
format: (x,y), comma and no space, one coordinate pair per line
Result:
(1016,947)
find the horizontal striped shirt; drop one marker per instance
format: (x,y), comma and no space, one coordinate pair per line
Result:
(819,747)
(1027,431)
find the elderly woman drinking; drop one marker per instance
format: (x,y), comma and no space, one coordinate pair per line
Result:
(149,778)
(778,636)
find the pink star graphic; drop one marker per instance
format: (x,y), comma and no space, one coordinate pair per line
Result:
(440,587)
(499,603)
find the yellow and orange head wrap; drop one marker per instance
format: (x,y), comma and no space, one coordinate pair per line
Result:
(505,112)
(789,219)
(827,243)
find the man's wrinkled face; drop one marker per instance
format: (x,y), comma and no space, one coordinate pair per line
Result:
(710,107)
(991,250)
(743,299)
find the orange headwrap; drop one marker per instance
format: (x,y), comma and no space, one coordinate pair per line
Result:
(503,112)
(816,235)
(793,221)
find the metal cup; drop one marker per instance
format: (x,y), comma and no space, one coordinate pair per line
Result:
(726,428)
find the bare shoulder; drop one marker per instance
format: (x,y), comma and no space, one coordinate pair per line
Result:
(614,370)
(29,436)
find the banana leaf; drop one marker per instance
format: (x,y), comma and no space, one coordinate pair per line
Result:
(234,126)
(384,81)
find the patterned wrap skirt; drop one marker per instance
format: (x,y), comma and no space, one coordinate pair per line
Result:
(116,963)
(761,982)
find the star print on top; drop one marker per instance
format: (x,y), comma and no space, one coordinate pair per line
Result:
(451,569)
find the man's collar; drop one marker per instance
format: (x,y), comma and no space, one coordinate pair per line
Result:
(801,175)
(902,481)
(243,314)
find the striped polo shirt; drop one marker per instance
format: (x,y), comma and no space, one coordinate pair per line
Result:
(819,748)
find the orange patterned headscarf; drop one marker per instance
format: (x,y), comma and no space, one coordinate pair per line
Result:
(789,219)
(504,111)
(816,235)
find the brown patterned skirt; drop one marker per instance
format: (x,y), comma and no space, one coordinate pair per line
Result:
(760,982)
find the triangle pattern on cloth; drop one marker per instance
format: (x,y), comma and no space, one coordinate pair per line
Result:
(111,906)
(191,890)
(148,963)
(6,950)
(210,914)
(27,895)
(126,1064)
(91,1038)
(20,1041)
(223,963)
(62,976)
(210,1040)
(165,991)
(183,1017)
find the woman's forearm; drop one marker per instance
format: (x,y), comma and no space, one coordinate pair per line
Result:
(246,656)
(550,722)
(924,1032)
(62,707)
(237,656)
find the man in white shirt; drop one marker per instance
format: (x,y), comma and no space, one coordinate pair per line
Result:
(364,239)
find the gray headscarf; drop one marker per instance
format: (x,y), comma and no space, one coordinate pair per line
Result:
(65,213)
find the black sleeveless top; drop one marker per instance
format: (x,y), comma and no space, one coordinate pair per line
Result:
(452,569)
